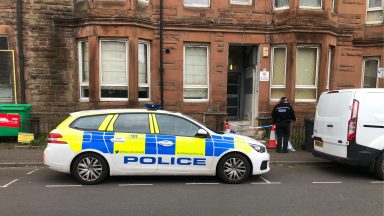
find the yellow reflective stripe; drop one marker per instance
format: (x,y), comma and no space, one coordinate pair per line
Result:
(190,146)
(110,126)
(133,144)
(152,130)
(74,138)
(155,123)
(242,145)
(104,125)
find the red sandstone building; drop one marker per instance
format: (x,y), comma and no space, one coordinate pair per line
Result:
(220,58)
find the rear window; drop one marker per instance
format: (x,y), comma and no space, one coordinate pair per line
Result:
(132,123)
(334,104)
(88,122)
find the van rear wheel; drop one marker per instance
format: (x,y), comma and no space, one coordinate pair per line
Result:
(380,167)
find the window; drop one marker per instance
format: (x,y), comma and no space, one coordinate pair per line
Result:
(89,123)
(306,73)
(279,62)
(196,72)
(144,70)
(333,6)
(5,71)
(374,11)
(144,1)
(132,123)
(113,70)
(176,126)
(281,4)
(241,2)
(196,3)
(370,67)
(310,3)
(84,70)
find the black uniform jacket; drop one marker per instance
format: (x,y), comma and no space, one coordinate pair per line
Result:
(283,114)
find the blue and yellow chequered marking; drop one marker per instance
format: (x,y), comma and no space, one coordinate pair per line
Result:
(146,144)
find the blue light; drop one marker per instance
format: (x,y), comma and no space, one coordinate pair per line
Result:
(152,106)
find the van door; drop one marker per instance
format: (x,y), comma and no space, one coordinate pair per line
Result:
(370,129)
(331,122)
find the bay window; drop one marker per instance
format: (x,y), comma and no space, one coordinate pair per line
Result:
(374,11)
(310,3)
(281,4)
(196,72)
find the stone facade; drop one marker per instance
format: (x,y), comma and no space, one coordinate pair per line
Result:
(53,28)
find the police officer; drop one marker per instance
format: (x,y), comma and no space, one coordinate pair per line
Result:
(282,115)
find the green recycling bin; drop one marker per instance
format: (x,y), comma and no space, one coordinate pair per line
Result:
(24,110)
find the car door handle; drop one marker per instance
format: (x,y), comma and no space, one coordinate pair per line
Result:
(329,125)
(166,143)
(117,140)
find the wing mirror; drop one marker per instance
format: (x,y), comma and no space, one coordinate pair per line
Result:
(202,133)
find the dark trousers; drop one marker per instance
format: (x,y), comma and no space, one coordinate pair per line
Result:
(282,133)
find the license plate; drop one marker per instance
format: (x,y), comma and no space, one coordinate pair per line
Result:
(319,143)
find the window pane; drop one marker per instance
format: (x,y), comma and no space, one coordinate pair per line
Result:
(375,3)
(306,66)
(5,73)
(144,92)
(143,63)
(132,123)
(278,76)
(375,16)
(310,3)
(172,125)
(197,2)
(89,122)
(196,93)
(3,43)
(84,91)
(277,93)
(113,62)
(196,66)
(114,91)
(240,1)
(370,73)
(85,62)
(281,3)
(301,94)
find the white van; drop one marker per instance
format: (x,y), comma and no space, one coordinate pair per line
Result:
(349,128)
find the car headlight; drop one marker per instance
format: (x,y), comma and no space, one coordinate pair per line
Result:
(258,148)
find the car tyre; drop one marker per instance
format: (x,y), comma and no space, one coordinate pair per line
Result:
(90,168)
(233,168)
(380,167)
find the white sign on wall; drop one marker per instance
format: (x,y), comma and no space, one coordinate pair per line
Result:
(380,73)
(264,76)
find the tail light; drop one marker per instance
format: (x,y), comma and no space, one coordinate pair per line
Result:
(352,123)
(53,138)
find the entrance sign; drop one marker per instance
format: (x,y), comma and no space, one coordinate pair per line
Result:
(380,73)
(264,76)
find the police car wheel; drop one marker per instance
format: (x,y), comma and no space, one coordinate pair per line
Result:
(90,169)
(233,168)
(380,167)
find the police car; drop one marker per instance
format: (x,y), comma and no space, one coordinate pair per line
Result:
(92,145)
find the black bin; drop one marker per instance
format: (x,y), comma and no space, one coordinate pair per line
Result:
(308,140)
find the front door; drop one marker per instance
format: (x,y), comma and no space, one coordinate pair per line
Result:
(179,151)
(233,96)
(134,148)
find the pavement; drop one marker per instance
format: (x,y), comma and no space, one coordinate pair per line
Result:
(23,156)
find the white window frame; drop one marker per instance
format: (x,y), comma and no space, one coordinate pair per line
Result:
(374,9)
(316,75)
(272,71)
(236,2)
(148,84)
(311,7)
(126,71)
(196,86)
(333,9)
(81,83)
(280,8)
(197,5)
(363,72)
(13,97)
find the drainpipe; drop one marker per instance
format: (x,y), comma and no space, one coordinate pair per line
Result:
(161,69)
(21,51)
